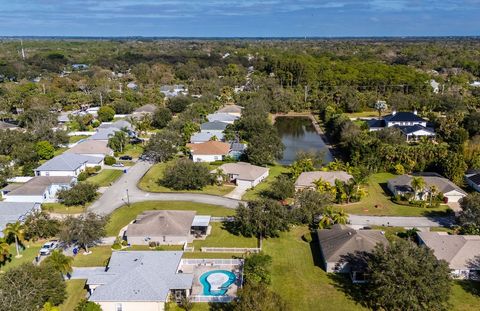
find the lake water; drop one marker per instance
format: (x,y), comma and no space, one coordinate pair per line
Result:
(298,134)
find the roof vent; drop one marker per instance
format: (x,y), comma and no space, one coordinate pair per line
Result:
(415,112)
(394,112)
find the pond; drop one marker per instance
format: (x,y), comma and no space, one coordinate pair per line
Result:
(299,134)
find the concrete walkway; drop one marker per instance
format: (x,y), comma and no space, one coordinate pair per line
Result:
(125,190)
(237,193)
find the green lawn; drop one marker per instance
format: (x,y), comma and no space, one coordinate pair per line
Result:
(98,257)
(149,182)
(63,209)
(465,295)
(255,193)
(29,253)
(125,214)
(378,202)
(74,139)
(75,292)
(135,151)
(105,177)
(219,237)
(59,151)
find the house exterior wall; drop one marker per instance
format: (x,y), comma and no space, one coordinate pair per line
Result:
(251,183)
(207,158)
(132,306)
(24,198)
(162,240)
(453,196)
(407,123)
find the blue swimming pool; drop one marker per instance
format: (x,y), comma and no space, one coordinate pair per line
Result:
(217,282)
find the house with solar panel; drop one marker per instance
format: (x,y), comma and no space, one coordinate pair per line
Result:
(410,124)
(473,180)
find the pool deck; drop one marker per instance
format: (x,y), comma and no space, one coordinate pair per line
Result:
(198,271)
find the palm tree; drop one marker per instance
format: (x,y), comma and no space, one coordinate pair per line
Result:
(16,229)
(433,192)
(49,307)
(327,219)
(340,217)
(4,251)
(418,184)
(60,262)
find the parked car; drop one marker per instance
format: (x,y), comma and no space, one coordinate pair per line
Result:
(48,247)
(118,165)
(125,158)
(136,140)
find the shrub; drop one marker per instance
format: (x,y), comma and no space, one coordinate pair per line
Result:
(82,176)
(80,194)
(184,174)
(307,237)
(109,160)
(106,113)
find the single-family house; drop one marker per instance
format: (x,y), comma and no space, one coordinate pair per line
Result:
(213,127)
(139,280)
(166,227)
(4,125)
(402,185)
(222,117)
(67,164)
(237,150)
(461,252)
(119,125)
(94,148)
(306,180)
(202,137)
(473,180)
(11,212)
(104,134)
(341,242)
(234,110)
(244,174)
(173,90)
(148,109)
(209,151)
(409,123)
(39,189)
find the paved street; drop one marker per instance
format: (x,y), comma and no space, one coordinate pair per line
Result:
(116,195)
(358,221)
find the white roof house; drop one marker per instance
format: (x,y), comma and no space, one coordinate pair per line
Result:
(11,212)
(244,174)
(307,179)
(67,164)
(39,189)
(461,252)
(139,280)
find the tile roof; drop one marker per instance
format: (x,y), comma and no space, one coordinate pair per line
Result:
(342,240)
(159,223)
(245,171)
(39,184)
(306,179)
(140,276)
(209,148)
(216,126)
(460,251)
(67,162)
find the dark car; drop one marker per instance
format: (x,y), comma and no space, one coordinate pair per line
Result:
(125,158)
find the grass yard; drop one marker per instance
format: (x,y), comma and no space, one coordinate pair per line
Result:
(149,182)
(98,257)
(298,280)
(74,139)
(379,196)
(29,253)
(124,215)
(220,237)
(59,151)
(256,192)
(75,292)
(105,177)
(135,151)
(465,295)
(60,208)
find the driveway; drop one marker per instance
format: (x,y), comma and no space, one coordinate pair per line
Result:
(237,193)
(125,190)
(358,221)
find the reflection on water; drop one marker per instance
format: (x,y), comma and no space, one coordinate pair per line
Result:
(298,134)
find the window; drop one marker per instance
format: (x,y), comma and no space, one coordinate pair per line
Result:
(118,307)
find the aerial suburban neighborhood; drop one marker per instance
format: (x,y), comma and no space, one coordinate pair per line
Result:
(191,172)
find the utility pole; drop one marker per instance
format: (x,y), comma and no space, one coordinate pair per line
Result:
(128,199)
(23,51)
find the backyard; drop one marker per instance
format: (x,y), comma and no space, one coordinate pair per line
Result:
(378,202)
(105,177)
(75,292)
(149,182)
(275,170)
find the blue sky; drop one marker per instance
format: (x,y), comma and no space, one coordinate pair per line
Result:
(234,18)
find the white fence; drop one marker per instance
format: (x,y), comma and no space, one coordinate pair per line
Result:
(187,248)
(199,298)
(230,250)
(222,262)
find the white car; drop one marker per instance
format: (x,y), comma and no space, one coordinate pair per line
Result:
(118,165)
(48,247)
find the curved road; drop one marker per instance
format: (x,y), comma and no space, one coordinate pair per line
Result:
(116,195)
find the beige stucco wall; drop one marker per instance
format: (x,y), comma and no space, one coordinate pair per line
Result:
(169,240)
(133,306)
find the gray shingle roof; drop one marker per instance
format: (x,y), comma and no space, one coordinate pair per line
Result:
(163,222)
(403,183)
(39,184)
(205,136)
(104,133)
(222,117)
(342,240)
(216,126)
(10,212)
(245,171)
(306,179)
(67,162)
(140,276)
(119,125)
